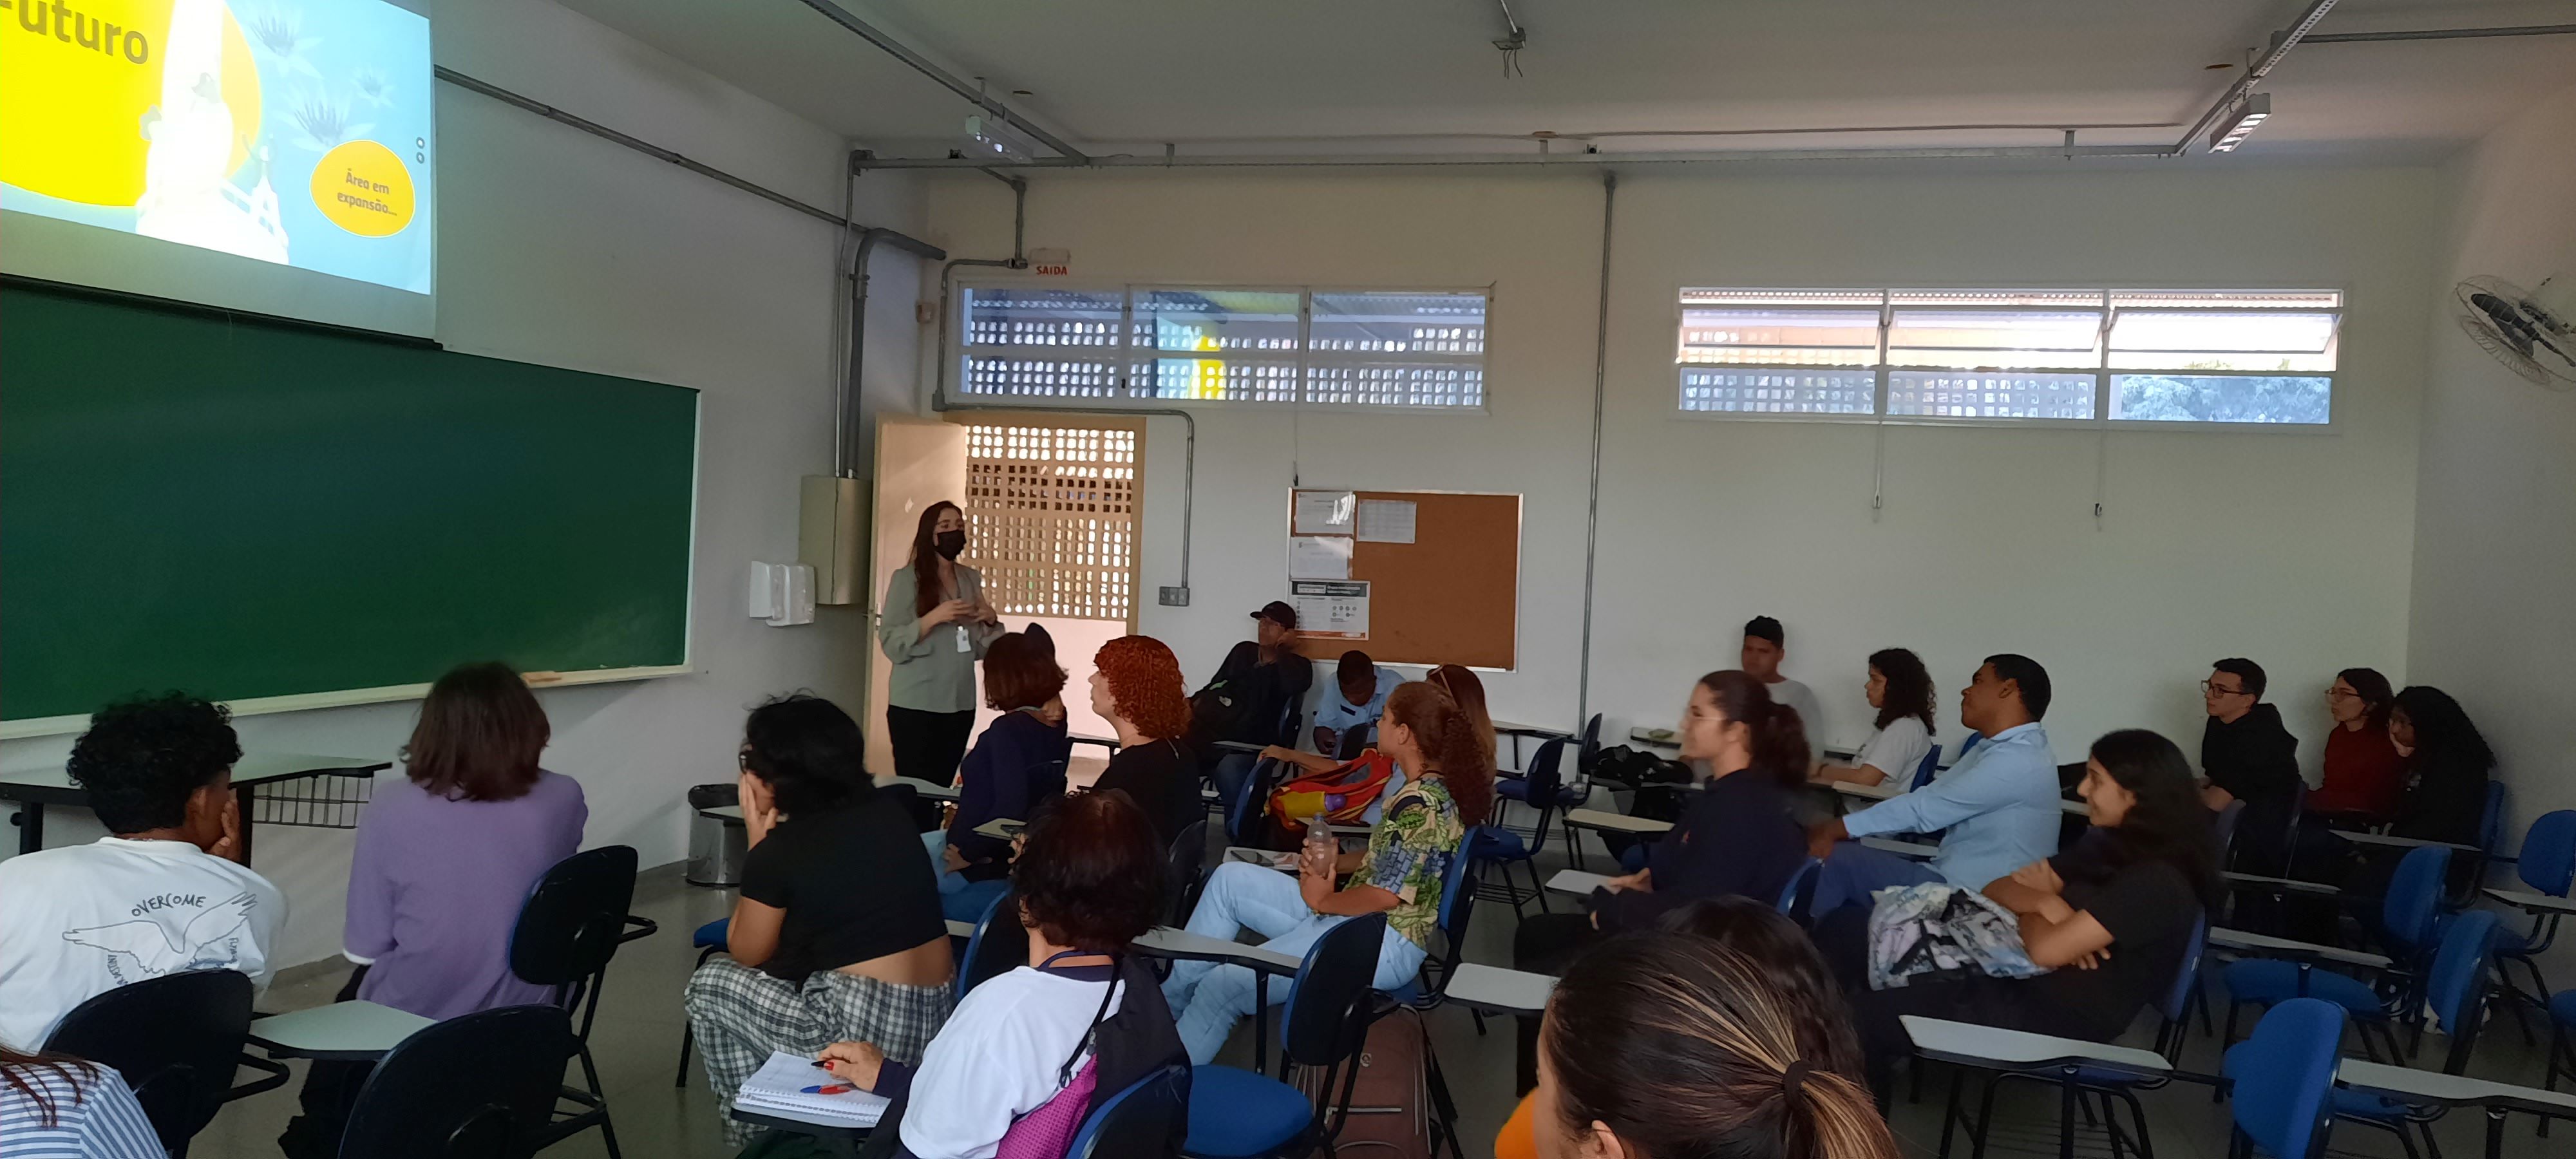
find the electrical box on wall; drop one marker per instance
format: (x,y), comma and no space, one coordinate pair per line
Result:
(831,529)
(782,593)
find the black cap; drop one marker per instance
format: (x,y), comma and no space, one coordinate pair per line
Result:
(1278,612)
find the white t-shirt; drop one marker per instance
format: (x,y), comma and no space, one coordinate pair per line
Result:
(1896,750)
(1802,698)
(996,1059)
(80,921)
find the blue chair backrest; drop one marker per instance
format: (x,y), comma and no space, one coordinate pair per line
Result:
(1589,750)
(992,952)
(2491,818)
(569,925)
(1321,1022)
(2548,859)
(1930,768)
(1970,745)
(1800,890)
(2414,900)
(1145,1118)
(2222,828)
(2178,996)
(1457,896)
(1245,809)
(2283,1089)
(1545,774)
(2458,977)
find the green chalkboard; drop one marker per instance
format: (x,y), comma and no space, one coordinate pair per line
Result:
(248,509)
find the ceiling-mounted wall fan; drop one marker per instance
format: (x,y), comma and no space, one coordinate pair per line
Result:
(2527,330)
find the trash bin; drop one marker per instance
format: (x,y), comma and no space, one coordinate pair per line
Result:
(716,840)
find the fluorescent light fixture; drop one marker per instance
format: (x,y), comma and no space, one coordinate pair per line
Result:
(2247,117)
(997,140)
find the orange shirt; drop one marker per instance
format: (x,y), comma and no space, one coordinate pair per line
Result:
(1518,1140)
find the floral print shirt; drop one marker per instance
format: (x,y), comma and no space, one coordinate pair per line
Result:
(1409,853)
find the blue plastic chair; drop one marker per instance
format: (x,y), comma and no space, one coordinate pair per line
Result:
(1587,749)
(1492,844)
(1141,1120)
(2547,864)
(1924,772)
(1241,1114)
(994,949)
(2282,1078)
(2409,916)
(2456,988)
(1457,904)
(1243,814)
(708,939)
(2562,1042)
(1798,897)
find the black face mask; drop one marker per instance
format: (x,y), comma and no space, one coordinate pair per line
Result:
(949,544)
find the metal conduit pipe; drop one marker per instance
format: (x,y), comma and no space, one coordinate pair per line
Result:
(2438,34)
(551,113)
(853,423)
(1504,160)
(921,64)
(1600,389)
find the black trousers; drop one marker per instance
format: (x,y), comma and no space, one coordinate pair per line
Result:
(928,746)
(330,1092)
(1545,944)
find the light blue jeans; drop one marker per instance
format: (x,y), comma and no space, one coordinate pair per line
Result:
(1856,871)
(1240,896)
(960,900)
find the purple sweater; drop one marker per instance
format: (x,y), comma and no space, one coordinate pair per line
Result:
(436,886)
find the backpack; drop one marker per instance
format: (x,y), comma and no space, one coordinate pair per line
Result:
(1937,931)
(1342,793)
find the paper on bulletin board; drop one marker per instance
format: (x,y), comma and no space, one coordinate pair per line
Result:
(1320,557)
(1322,513)
(1331,609)
(1386,521)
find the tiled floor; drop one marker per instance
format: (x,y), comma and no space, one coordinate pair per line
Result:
(638,1036)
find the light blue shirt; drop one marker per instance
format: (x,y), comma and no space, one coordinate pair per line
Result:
(1341,715)
(1999,804)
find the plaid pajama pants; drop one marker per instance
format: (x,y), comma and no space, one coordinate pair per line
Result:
(741,1015)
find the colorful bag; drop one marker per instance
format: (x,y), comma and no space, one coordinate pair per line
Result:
(1342,793)
(1934,930)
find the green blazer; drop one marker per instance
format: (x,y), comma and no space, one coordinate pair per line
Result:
(931,673)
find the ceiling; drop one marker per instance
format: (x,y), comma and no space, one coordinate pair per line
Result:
(1307,77)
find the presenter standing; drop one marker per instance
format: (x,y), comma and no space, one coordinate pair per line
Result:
(934,625)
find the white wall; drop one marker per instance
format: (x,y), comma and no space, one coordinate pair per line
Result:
(2293,548)
(557,247)
(2495,540)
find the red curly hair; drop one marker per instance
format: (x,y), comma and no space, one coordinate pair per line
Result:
(1145,684)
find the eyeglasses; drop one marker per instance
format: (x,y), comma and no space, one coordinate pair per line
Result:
(2214,689)
(2342,694)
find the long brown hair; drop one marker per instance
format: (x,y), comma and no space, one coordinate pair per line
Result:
(1779,737)
(16,1065)
(1448,738)
(926,588)
(479,735)
(1687,1047)
(1462,686)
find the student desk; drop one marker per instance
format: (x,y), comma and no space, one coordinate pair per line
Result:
(2424,1088)
(348,1031)
(1516,731)
(2019,1052)
(925,788)
(1001,828)
(1615,822)
(1494,990)
(1180,945)
(2384,841)
(2534,903)
(36,788)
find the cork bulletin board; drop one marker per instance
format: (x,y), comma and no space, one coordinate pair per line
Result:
(1450,596)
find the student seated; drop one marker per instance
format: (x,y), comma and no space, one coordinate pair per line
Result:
(2245,755)
(163,894)
(837,935)
(1735,837)
(1901,691)
(2364,772)
(1353,702)
(1664,1044)
(1015,1067)
(2447,767)
(1136,687)
(1999,804)
(1250,694)
(1765,646)
(1449,784)
(1015,770)
(56,1106)
(446,856)
(2110,918)
(445,859)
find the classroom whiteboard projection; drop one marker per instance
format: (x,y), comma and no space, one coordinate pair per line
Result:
(271,156)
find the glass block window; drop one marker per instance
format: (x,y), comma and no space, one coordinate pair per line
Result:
(1229,345)
(1051,517)
(2222,356)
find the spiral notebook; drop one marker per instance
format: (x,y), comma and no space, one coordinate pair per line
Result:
(778,1089)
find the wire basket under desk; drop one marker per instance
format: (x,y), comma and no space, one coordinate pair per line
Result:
(320,801)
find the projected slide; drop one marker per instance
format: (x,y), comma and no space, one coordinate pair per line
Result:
(290,132)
